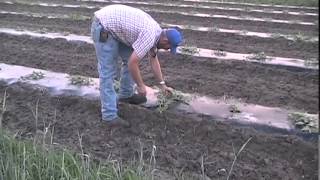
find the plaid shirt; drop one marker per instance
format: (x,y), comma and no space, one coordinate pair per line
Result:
(131,26)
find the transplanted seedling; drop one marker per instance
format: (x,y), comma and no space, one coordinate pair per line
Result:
(305,122)
(302,12)
(80,80)
(295,21)
(234,109)
(78,17)
(244,32)
(267,19)
(311,62)
(189,50)
(43,30)
(165,100)
(285,12)
(215,29)
(276,35)
(300,37)
(36,75)
(261,57)
(219,52)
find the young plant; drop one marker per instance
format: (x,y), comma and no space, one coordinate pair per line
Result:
(311,62)
(36,75)
(215,29)
(189,50)
(234,109)
(219,52)
(165,100)
(305,122)
(80,80)
(267,19)
(244,32)
(276,35)
(285,12)
(78,17)
(261,57)
(299,37)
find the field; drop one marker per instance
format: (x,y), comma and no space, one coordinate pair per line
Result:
(261,60)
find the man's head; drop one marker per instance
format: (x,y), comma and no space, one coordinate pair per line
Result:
(170,39)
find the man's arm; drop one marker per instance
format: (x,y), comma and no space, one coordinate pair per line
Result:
(156,68)
(133,66)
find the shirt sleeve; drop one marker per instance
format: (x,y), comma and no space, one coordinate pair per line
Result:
(144,43)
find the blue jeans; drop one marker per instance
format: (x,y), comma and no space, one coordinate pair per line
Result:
(107,55)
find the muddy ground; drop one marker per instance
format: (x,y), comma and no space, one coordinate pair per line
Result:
(180,142)
(217,4)
(195,4)
(252,82)
(211,40)
(224,23)
(197,9)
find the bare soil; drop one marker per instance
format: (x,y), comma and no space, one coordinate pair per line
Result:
(196,8)
(180,142)
(210,40)
(270,27)
(252,82)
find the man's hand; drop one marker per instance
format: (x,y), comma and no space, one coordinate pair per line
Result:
(168,91)
(142,90)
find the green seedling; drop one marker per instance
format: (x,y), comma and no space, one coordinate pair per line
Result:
(302,37)
(165,100)
(43,30)
(215,29)
(36,75)
(305,122)
(311,62)
(234,109)
(298,37)
(276,35)
(285,12)
(65,33)
(295,21)
(188,26)
(247,9)
(80,80)
(78,17)
(261,57)
(244,32)
(267,19)
(302,13)
(189,50)
(219,52)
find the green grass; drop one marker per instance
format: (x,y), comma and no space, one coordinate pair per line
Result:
(24,160)
(313,3)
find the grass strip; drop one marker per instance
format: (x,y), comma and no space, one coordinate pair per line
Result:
(25,160)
